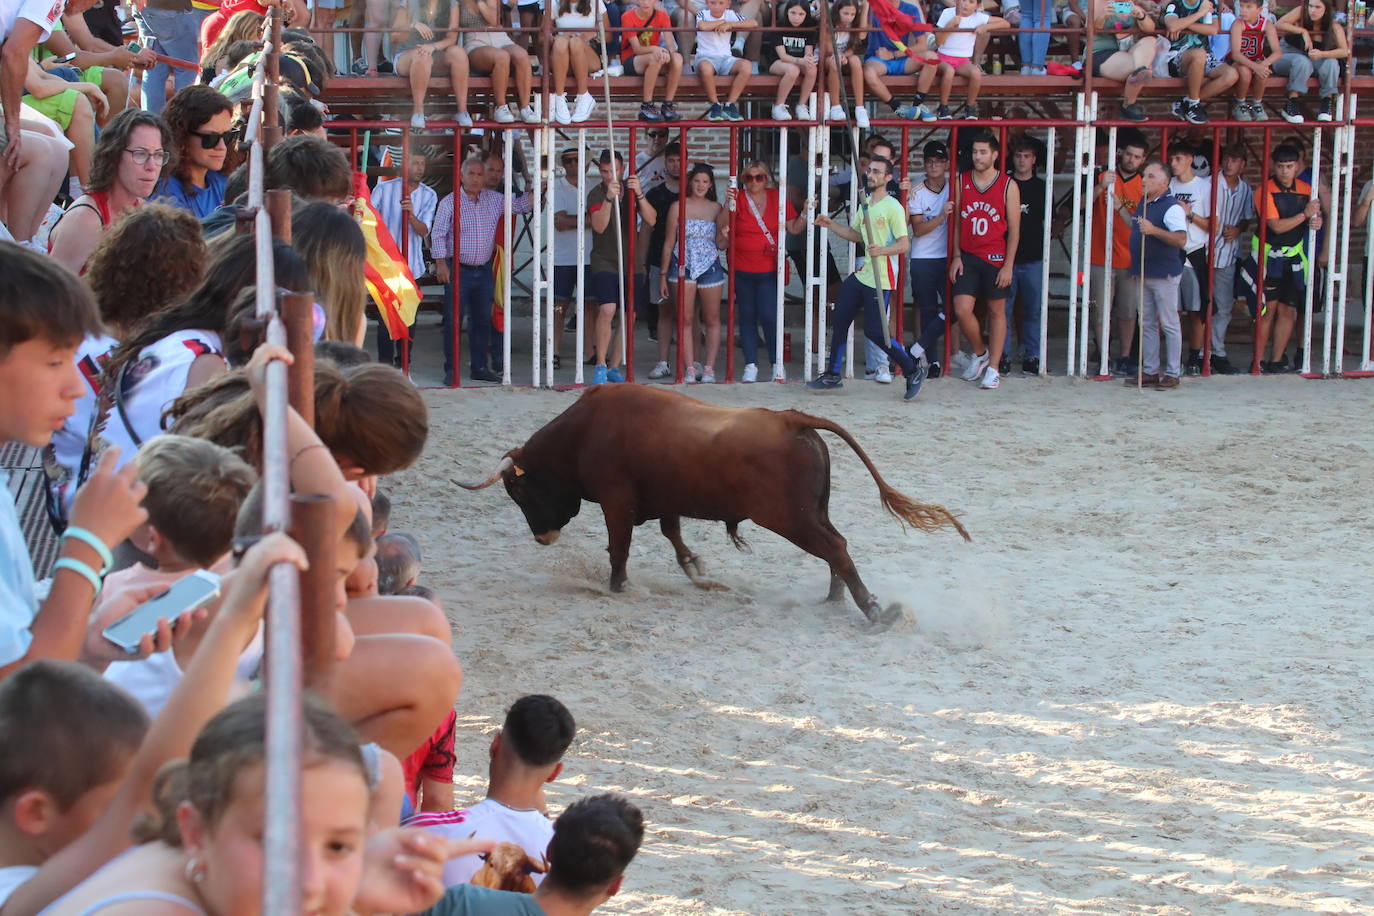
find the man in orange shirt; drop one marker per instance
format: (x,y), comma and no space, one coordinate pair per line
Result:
(1127,194)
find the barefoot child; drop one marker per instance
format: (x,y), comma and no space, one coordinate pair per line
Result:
(955,51)
(1250,34)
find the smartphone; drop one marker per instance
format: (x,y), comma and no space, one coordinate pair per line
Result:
(1123,7)
(65,58)
(189,594)
(134,48)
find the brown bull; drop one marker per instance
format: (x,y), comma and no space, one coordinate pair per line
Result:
(646,453)
(508,868)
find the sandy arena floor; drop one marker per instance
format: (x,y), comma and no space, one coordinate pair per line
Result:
(1143,688)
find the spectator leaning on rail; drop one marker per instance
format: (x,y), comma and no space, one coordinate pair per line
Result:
(480,209)
(1117,20)
(1158,236)
(929,208)
(1124,182)
(1313,41)
(407,206)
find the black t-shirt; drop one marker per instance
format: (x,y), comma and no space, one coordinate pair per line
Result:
(661,198)
(793,42)
(1031,244)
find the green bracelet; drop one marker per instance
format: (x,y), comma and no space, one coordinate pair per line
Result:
(77,566)
(93,542)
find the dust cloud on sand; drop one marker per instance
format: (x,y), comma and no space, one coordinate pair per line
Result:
(1143,688)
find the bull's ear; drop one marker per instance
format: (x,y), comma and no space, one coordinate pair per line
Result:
(514,455)
(484,856)
(518,470)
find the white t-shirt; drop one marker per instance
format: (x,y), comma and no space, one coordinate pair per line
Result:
(928,204)
(714,44)
(960,44)
(42,12)
(652,172)
(62,458)
(580,22)
(565,240)
(488,819)
(17,603)
(12,877)
(1197,192)
(1175,220)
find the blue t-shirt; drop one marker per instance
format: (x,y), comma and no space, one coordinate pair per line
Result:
(470,900)
(876,38)
(200,201)
(17,604)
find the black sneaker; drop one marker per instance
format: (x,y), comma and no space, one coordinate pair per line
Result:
(971,112)
(920,100)
(934,370)
(1180,109)
(1118,368)
(829,381)
(648,111)
(1277,368)
(1196,114)
(1222,366)
(1194,364)
(1132,113)
(1030,366)
(943,113)
(914,380)
(1328,111)
(669,112)
(1004,365)
(731,111)
(1292,112)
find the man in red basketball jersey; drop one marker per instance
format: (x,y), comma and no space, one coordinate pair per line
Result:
(989,227)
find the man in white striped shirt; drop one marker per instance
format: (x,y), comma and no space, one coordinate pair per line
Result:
(412,210)
(1235,211)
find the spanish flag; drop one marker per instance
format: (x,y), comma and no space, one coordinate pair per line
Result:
(387,275)
(498,268)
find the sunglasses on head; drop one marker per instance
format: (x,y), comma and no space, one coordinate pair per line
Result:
(210,139)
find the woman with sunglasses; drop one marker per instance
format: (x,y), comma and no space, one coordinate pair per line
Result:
(758,232)
(200,119)
(129,158)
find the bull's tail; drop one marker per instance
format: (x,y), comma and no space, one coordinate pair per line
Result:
(924,516)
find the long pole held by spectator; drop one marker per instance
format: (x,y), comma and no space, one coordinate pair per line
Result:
(615,176)
(1140,315)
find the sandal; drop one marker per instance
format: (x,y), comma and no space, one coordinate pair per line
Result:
(1138,76)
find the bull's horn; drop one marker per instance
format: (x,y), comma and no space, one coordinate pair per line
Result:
(506,464)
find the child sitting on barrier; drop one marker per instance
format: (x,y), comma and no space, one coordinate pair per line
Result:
(1313,42)
(715,55)
(645,52)
(883,59)
(792,57)
(955,50)
(845,40)
(1251,32)
(1188,25)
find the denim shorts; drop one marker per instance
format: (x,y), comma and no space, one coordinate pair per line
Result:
(710,278)
(724,64)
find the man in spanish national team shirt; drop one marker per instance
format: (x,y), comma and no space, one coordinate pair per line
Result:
(989,210)
(880,225)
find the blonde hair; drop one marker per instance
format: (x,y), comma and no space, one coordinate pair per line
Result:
(195,488)
(245,25)
(335,253)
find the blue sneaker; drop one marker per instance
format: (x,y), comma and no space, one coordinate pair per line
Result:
(914,380)
(907,112)
(715,113)
(731,112)
(928,114)
(614,375)
(599,375)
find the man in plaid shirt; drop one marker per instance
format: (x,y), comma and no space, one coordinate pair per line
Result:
(479,216)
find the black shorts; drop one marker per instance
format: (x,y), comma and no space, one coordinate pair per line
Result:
(604,287)
(565,281)
(979,279)
(1100,58)
(1285,286)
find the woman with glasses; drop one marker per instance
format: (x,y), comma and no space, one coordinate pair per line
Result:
(128,161)
(758,232)
(201,121)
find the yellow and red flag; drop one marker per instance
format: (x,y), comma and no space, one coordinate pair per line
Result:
(388,277)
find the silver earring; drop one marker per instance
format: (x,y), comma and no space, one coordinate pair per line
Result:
(194,870)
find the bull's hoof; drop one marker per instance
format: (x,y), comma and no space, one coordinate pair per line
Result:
(618,587)
(880,619)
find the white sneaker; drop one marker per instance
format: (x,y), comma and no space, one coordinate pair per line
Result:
(959,361)
(660,370)
(991,379)
(861,117)
(616,68)
(751,373)
(779,374)
(502,115)
(803,113)
(837,114)
(561,114)
(529,115)
(976,367)
(780,113)
(463,118)
(883,376)
(417,121)
(708,375)
(583,109)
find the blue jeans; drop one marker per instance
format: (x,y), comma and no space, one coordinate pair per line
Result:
(477,289)
(855,297)
(1035,14)
(1026,282)
(614,10)
(756,298)
(928,295)
(178,35)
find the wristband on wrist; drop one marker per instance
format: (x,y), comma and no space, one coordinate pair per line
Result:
(80,568)
(93,542)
